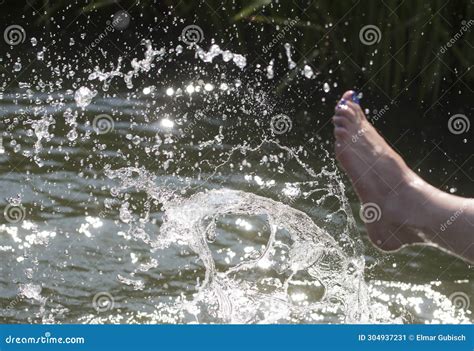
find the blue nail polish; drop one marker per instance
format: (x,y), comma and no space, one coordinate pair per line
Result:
(355,98)
(341,103)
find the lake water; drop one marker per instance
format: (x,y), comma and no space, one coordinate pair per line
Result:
(194,195)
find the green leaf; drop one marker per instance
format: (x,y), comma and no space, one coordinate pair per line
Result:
(250,9)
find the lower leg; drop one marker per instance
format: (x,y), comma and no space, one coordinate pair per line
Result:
(448,222)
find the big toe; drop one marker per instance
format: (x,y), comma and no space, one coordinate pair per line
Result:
(348,95)
(352,96)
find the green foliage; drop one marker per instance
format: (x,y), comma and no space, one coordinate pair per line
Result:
(326,34)
(407,57)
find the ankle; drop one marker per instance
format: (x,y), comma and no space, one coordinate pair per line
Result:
(415,194)
(405,206)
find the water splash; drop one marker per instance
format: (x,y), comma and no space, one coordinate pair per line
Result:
(208,56)
(306,250)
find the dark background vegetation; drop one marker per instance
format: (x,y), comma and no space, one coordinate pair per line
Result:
(413,32)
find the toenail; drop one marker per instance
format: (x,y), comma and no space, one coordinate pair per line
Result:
(356,98)
(341,103)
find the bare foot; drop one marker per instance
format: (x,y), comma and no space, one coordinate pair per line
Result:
(381,178)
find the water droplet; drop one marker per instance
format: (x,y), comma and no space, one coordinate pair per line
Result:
(291,63)
(124,213)
(72,135)
(190,89)
(326,88)
(270,72)
(223,86)
(308,72)
(84,96)
(17,66)
(148,90)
